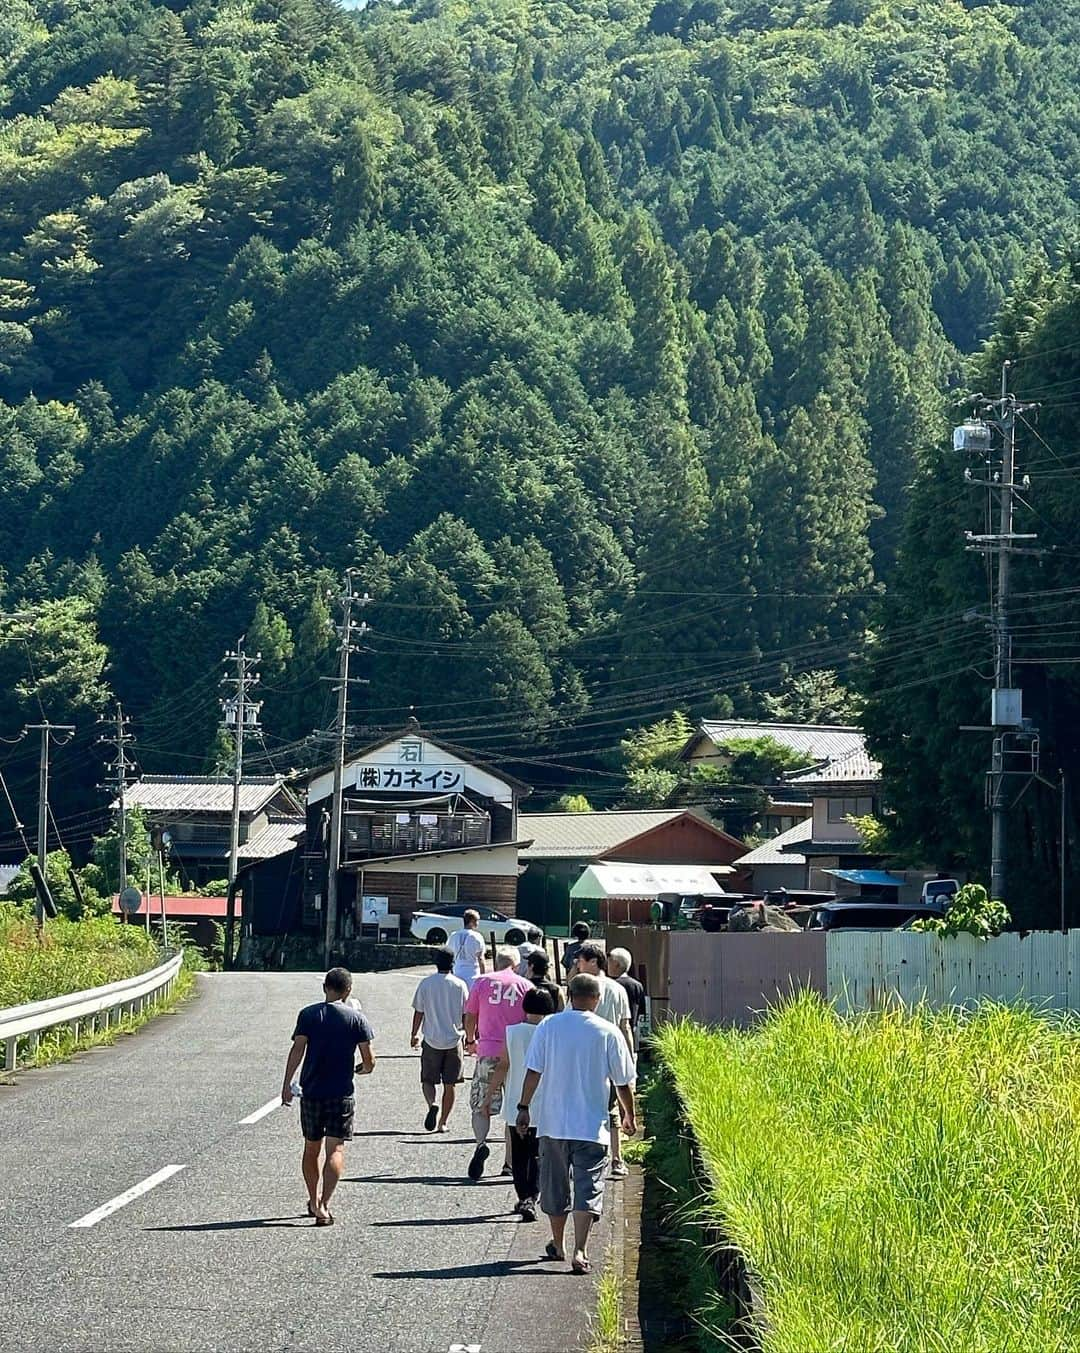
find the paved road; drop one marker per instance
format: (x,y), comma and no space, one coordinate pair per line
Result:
(218,1256)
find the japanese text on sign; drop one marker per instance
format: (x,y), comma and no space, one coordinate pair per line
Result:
(440,779)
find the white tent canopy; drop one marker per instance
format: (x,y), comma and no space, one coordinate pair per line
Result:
(601,881)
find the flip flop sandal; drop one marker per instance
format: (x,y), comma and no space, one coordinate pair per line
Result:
(550,1252)
(581,1266)
(328,1220)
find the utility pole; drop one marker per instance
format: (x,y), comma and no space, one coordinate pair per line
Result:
(47,730)
(121,773)
(1007,724)
(347,631)
(239,713)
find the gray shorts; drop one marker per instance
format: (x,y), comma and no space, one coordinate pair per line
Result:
(582,1163)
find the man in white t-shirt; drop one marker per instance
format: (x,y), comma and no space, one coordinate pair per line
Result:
(468,949)
(576,1055)
(531,946)
(439,1008)
(615,1008)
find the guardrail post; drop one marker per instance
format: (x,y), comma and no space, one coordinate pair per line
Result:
(10,1045)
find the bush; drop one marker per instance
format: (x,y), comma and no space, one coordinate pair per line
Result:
(971,912)
(69,955)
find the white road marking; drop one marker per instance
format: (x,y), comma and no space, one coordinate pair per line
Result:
(464,1348)
(268,1107)
(128,1196)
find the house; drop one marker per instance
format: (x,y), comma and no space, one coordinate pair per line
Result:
(563,845)
(423,823)
(820,744)
(825,852)
(197,812)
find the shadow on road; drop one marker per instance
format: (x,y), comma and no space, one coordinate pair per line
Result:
(457,1179)
(505,1217)
(249,1224)
(500,1268)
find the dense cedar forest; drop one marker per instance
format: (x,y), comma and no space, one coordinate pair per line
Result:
(606,339)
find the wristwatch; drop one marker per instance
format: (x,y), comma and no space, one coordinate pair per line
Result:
(523,1108)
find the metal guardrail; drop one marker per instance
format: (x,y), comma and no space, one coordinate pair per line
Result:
(97,1006)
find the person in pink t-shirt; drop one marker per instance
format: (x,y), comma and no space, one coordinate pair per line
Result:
(494,1004)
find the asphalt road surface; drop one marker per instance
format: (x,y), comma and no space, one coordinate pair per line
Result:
(214,1251)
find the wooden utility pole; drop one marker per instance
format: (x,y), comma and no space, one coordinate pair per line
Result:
(47,730)
(239,713)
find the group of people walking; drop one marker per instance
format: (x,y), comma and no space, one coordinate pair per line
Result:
(558,1075)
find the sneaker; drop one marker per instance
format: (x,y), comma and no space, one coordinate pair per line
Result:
(476,1165)
(508,1171)
(431,1118)
(527,1210)
(619,1170)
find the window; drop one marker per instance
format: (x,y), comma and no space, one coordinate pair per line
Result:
(841,809)
(425,887)
(447,887)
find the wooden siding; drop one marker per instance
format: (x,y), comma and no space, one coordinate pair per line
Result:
(489,890)
(684,841)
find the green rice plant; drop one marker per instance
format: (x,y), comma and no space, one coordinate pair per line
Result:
(906,1181)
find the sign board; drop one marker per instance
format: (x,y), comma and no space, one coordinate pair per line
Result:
(374,908)
(417,779)
(130,899)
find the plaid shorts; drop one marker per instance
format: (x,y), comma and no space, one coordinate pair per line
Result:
(321,1118)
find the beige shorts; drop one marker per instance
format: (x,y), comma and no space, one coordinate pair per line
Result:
(485,1069)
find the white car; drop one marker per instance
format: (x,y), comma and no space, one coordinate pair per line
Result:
(437,925)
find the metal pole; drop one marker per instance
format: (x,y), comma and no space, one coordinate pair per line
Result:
(1061,859)
(1002,675)
(148,895)
(161,893)
(121,776)
(334,861)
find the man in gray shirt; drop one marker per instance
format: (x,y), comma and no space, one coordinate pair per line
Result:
(438,1008)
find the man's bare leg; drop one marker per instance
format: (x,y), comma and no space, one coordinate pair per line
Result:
(310,1167)
(449,1094)
(429,1092)
(616,1142)
(481,1126)
(582,1226)
(558,1231)
(335,1163)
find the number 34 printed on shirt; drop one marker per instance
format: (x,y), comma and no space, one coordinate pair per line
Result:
(503,992)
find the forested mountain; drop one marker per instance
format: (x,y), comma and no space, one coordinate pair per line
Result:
(602,337)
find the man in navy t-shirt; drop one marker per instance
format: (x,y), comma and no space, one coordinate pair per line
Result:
(326,1039)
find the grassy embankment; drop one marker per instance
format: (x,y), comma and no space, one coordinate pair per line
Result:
(74,956)
(906,1182)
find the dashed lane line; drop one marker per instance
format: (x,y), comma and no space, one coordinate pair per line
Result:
(268,1107)
(128,1196)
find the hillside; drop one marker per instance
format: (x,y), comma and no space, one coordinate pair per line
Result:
(604,338)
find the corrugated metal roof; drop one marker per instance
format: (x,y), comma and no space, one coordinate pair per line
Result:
(857,767)
(7,873)
(774,852)
(649,880)
(820,742)
(276,838)
(585,835)
(201,794)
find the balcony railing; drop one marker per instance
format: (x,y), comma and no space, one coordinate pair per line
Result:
(411,833)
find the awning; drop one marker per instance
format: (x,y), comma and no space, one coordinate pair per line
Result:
(601,881)
(871,878)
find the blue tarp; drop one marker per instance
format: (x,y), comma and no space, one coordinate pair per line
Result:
(872,878)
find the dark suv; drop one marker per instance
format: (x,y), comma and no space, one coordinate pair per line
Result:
(857,915)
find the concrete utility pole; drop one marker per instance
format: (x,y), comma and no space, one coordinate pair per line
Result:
(1007,724)
(347,631)
(121,772)
(47,731)
(239,713)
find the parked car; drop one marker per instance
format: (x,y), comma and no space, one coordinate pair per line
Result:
(871,915)
(940,890)
(439,923)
